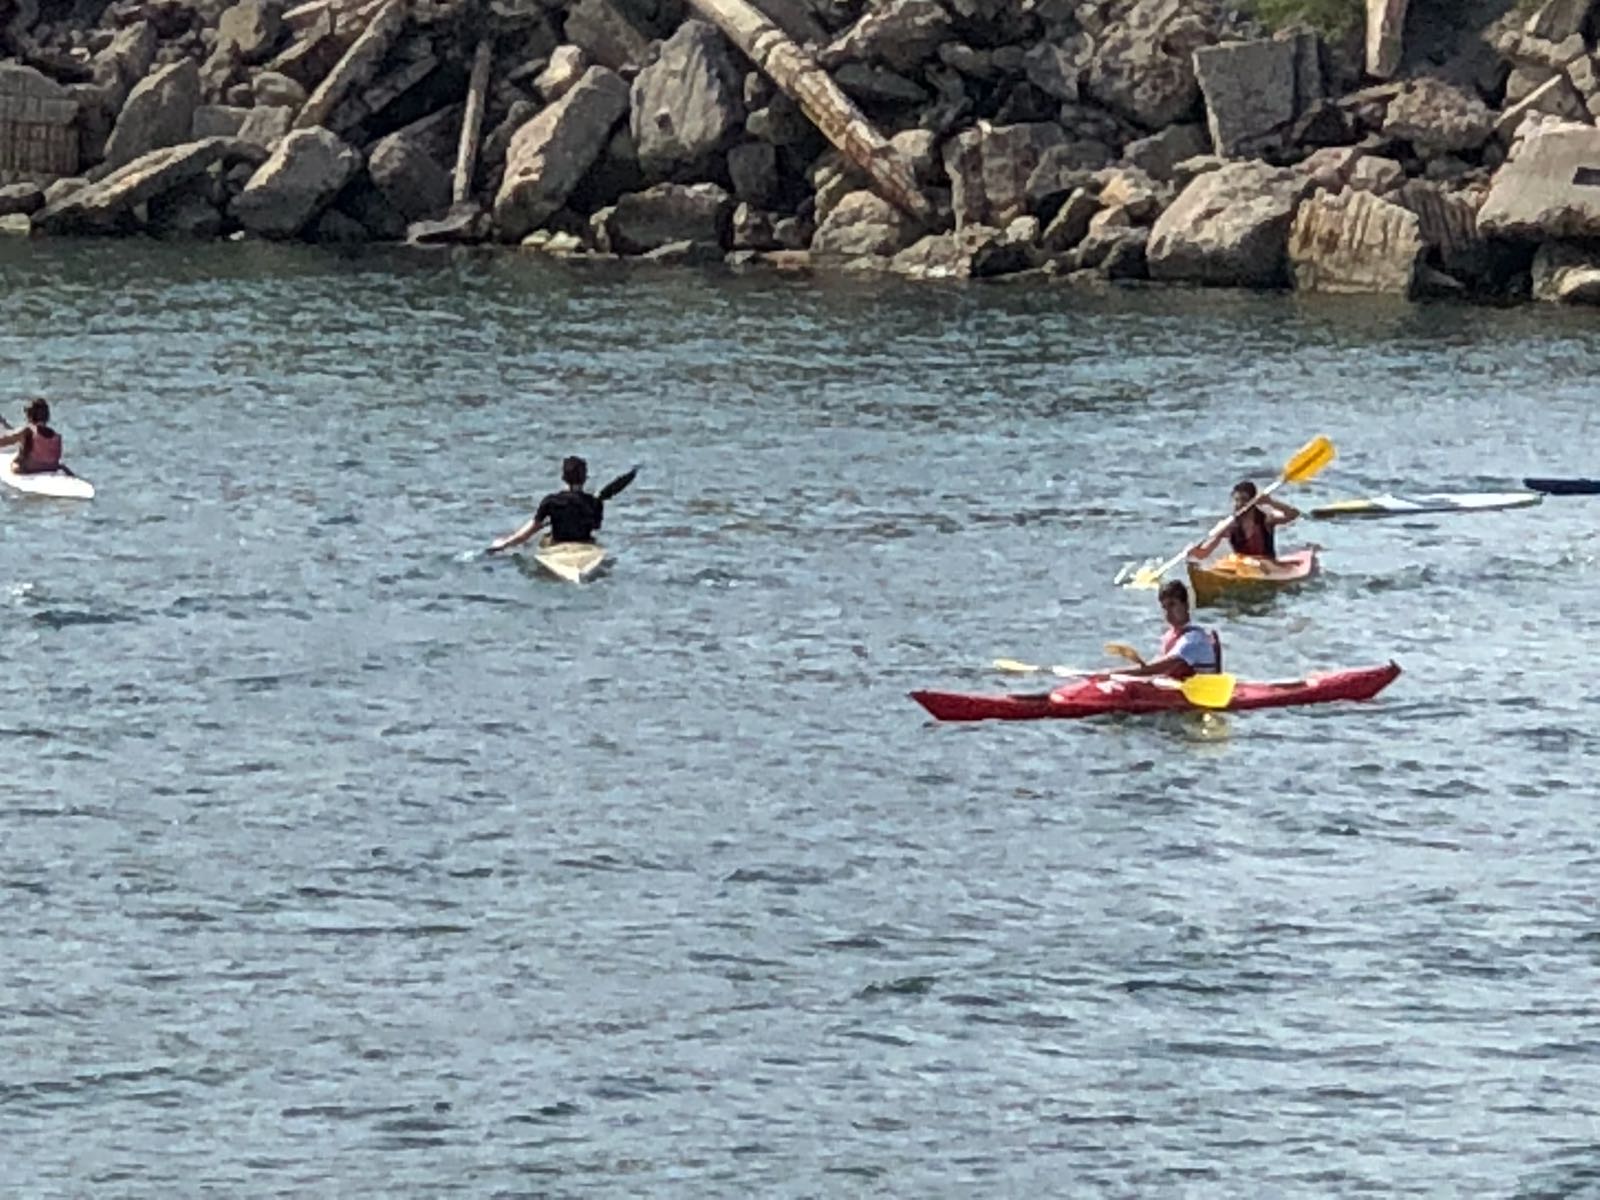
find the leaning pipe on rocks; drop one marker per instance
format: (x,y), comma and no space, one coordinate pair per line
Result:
(828,108)
(472,122)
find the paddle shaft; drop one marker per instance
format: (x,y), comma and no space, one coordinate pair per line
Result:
(1223,524)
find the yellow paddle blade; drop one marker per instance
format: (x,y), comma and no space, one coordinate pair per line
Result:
(1015,667)
(1123,650)
(1145,577)
(1310,460)
(1209,691)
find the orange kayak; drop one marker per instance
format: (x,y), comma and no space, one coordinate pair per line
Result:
(1244,576)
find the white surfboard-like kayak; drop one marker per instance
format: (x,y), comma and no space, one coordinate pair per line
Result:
(1427,502)
(575,562)
(62,485)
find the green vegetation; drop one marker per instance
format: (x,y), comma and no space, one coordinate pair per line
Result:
(1333,18)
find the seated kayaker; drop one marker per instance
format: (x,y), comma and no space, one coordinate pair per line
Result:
(1186,648)
(572,514)
(1252,530)
(38,445)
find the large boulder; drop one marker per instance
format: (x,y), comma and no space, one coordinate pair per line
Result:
(1230,227)
(862,224)
(159,112)
(1438,118)
(604,33)
(249,30)
(1354,242)
(414,183)
(550,155)
(670,214)
(300,179)
(125,60)
(1257,89)
(990,168)
(1159,154)
(1548,189)
(976,252)
(1558,20)
(900,34)
(101,206)
(688,105)
(277,89)
(1143,68)
(357,67)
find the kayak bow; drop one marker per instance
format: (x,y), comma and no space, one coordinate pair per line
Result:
(1106,695)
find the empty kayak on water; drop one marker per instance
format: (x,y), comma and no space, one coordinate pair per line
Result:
(1117,694)
(575,562)
(61,485)
(1563,487)
(1244,575)
(1427,502)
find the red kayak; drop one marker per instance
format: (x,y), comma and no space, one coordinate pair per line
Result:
(1110,694)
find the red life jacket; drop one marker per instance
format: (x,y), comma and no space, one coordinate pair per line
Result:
(1170,639)
(1251,533)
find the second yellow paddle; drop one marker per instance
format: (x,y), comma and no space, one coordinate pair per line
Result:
(1307,464)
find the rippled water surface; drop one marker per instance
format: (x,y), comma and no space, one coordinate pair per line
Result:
(340,860)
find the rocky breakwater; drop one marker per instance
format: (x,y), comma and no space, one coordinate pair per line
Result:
(1170,140)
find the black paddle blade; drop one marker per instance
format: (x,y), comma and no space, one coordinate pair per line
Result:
(617,484)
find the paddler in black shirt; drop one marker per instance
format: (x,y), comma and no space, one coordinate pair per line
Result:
(573,515)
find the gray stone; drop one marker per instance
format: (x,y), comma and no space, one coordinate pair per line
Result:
(919,150)
(1556,97)
(250,29)
(1143,67)
(463,224)
(300,179)
(1386,25)
(1438,118)
(878,87)
(605,35)
(1376,174)
(990,168)
(781,122)
(900,34)
(186,213)
(274,88)
(1523,80)
(1133,192)
(550,155)
(688,105)
(1115,253)
(414,183)
(1061,170)
(752,229)
(334,228)
(1558,20)
(1230,228)
(1159,154)
(1549,188)
(561,74)
(357,67)
(159,113)
(1355,243)
(862,224)
(1071,223)
(125,60)
(1057,71)
(668,213)
(267,125)
(99,206)
(978,251)
(21,198)
(217,120)
(16,225)
(1254,90)
(753,168)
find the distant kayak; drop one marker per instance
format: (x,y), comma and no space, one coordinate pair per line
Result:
(62,485)
(1564,487)
(1244,576)
(1107,695)
(1427,502)
(574,562)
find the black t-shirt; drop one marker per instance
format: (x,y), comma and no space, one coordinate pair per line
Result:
(573,516)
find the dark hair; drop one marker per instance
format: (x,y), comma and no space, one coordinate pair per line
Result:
(38,411)
(1248,488)
(574,471)
(1174,589)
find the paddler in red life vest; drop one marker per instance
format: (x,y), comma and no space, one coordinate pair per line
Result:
(38,446)
(1253,531)
(1186,648)
(573,515)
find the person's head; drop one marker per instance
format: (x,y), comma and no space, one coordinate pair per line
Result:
(574,471)
(1174,597)
(37,412)
(1243,492)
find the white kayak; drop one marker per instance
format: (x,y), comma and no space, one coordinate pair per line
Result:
(574,562)
(63,485)
(1427,502)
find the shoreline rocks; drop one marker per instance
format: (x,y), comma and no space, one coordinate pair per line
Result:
(1172,141)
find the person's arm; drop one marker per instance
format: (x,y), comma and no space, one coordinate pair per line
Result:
(11,436)
(1207,546)
(1278,512)
(1166,665)
(511,540)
